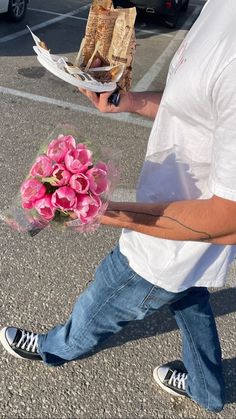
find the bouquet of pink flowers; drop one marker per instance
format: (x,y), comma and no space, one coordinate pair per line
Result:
(69,183)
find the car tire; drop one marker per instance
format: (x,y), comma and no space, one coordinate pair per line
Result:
(17,10)
(172,21)
(185,6)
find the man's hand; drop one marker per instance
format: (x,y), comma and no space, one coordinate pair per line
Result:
(143,103)
(100,101)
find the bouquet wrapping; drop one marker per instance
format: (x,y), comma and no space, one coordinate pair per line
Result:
(110,36)
(69,185)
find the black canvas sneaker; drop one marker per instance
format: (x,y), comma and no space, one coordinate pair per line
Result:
(20,343)
(172,378)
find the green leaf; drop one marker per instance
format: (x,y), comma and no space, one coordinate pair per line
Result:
(50,180)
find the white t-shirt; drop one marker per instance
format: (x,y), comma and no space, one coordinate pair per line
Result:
(191,152)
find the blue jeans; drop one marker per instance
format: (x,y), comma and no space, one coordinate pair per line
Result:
(116,296)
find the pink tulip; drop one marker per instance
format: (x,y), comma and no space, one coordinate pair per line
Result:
(78,160)
(45,208)
(101,165)
(62,175)
(98,180)
(87,208)
(64,198)
(31,190)
(79,182)
(28,204)
(58,148)
(42,167)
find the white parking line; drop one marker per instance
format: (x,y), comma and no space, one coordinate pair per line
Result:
(124,195)
(42,25)
(153,32)
(145,82)
(75,107)
(48,12)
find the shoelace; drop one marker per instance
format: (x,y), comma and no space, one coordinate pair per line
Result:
(178,379)
(28,341)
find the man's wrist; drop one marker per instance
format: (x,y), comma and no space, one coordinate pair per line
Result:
(126,103)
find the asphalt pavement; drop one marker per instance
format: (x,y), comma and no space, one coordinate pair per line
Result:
(42,276)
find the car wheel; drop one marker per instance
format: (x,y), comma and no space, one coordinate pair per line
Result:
(17,9)
(185,6)
(172,21)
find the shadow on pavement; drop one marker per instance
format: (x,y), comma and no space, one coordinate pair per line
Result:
(223,302)
(229,367)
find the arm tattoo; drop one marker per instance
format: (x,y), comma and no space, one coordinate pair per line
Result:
(208,235)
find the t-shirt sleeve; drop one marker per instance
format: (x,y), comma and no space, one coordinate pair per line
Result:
(222,180)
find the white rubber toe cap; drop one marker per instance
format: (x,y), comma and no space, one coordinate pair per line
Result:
(10,334)
(7,336)
(159,374)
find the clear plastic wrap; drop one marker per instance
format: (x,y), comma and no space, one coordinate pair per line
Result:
(68,185)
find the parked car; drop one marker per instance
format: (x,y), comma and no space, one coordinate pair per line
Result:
(168,9)
(15,9)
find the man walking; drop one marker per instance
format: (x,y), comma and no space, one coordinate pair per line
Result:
(179,238)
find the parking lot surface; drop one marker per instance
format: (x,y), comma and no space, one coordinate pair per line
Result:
(42,276)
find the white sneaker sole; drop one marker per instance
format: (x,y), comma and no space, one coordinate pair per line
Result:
(6,345)
(159,382)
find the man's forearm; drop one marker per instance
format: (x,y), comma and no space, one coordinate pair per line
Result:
(197,220)
(144,103)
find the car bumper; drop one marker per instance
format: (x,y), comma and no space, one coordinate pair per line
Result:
(155,6)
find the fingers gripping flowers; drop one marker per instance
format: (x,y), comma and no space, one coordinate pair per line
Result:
(66,182)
